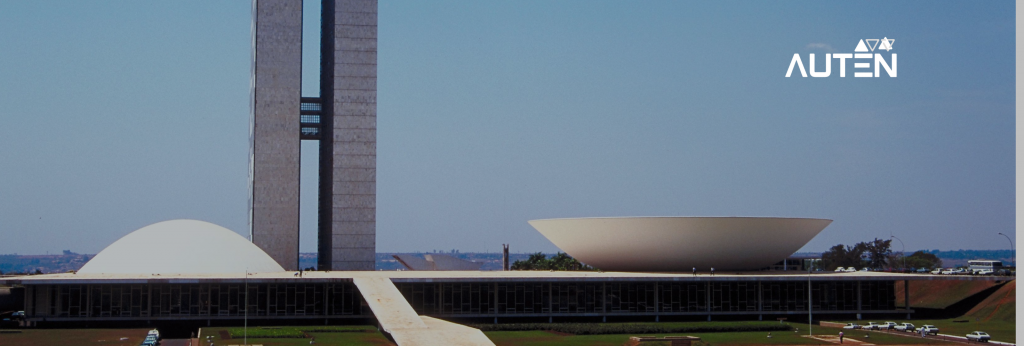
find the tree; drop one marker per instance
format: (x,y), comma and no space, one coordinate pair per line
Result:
(843,256)
(923,259)
(537,261)
(564,262)
(561,262)
(879,252)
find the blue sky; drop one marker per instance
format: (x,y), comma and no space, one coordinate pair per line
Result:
(116,115)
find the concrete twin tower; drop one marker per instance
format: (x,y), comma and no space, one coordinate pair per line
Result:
(343,119)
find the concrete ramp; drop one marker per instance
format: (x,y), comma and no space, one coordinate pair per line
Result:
(441,332)
(397,318)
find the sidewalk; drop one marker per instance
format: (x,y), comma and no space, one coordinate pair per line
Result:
(835,339)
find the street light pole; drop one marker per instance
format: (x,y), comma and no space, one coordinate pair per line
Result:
(245,330)
(810,323)
(903,252)
(1012,251)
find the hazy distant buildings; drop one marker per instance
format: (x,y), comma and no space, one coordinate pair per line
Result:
(343,119)
(435,262)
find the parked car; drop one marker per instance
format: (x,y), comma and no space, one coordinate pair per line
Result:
(983,272)
(906,327)
(852,326)
(922,270)
(851,269)
(865,269)
(840,269)
(871,326)
(937,271)
(888,325)
(929,329)
(978,336)
(949,271)
(155,333)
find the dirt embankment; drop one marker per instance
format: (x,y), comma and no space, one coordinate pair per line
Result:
(939,294)
(1000,306)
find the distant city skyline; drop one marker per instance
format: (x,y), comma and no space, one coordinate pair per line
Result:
(114,116)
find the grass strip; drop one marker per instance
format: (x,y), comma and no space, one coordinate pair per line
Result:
(293,332)
(337,330)
(638,328)
(266,333)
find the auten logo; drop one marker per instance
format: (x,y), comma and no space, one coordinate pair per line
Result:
(861,52)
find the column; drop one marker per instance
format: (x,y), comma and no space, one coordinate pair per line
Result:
(348,146)
(274,129)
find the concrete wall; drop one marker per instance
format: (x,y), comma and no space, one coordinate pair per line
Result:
(274,137)
(349,144)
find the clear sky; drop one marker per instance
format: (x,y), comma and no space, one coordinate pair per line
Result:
(118,114)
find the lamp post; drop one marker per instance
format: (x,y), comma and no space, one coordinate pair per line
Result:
(1012,251)
(245,329)
(902,252)
(810,323)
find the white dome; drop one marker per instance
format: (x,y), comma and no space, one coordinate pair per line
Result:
(181,247)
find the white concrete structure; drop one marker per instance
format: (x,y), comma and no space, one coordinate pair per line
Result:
(436,262)
(397,318)
(179,247)
(679,244)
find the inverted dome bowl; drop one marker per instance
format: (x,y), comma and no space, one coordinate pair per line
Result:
(678,244)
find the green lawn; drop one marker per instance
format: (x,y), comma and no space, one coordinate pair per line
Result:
(539,338)
(879,338)
(368,335)
(1001,328)
(336,335)
(1005,331)
(995,315)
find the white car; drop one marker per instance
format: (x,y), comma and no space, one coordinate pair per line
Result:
(155,333)
(937,271)
(949,271)
(865,269)
(929,329)
(872,326)
(978,336)
(851,269)
(983,272)
(840,269)
(888,325)
(906,327)
(851,326)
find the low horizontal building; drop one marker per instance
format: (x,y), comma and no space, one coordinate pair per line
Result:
(194,272)
(320,295)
